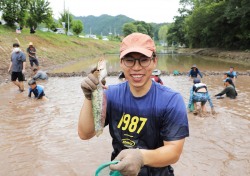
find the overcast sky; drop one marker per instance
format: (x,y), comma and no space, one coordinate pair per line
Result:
(157,11)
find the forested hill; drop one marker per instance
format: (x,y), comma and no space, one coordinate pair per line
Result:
(104,24)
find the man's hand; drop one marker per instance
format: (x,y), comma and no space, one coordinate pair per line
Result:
(89,84)
(23,71)
(130,163)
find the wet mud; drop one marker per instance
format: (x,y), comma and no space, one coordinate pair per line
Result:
(40,137)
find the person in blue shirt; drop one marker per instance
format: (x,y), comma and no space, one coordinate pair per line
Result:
(147,121)
(37,90)
(231,73)
(194,72)
(199,93)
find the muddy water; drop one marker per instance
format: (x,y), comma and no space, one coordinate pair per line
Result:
(166,62)
(40,137)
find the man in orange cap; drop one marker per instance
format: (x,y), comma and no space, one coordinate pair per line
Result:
(147,121)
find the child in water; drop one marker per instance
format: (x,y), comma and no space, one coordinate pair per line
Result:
(37,90)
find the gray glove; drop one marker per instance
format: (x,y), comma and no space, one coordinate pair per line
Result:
(130,163)
(89,84)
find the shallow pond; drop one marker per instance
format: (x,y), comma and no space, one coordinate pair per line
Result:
(40,137)
(167,62)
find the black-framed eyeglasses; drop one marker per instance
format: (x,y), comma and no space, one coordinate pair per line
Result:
(144,61)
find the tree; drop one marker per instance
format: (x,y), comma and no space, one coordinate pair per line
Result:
(65,17)
(212,23)
(162,34)
(128,28)
(13,11)
(77,27)
(39,11)
(176,32)
(144,28)
(2,2)
(138,26)
(50,23)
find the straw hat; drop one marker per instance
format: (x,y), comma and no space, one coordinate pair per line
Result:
(156,72)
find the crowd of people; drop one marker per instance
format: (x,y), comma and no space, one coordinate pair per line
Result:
(199,91)
(17,68)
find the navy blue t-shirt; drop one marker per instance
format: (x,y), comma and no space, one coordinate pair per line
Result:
(145,122)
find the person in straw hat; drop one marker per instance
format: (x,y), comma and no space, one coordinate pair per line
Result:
(31,50)
(194,72)
(155,76)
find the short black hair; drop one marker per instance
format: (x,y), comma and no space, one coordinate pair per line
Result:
(196,80)
(121,75)
(32,82)
(35,69)
(16,45)
(229,81)
(226,74)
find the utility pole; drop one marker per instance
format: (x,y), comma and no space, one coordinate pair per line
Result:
(68,22)
(64,7)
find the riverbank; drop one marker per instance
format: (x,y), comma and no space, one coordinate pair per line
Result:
(55,51)
(232,56)
(68,69)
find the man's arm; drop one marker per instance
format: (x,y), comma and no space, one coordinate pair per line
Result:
(24,65)
(235,76)
(86,126)
(37,75)
(10,67)
(165,155)
(29,95)
(199,73)
(223,92)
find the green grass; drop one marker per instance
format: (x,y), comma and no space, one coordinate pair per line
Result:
(54,49)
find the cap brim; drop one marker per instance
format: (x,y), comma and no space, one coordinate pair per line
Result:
(143,51)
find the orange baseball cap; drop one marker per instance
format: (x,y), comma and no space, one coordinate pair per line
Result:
(137,42)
